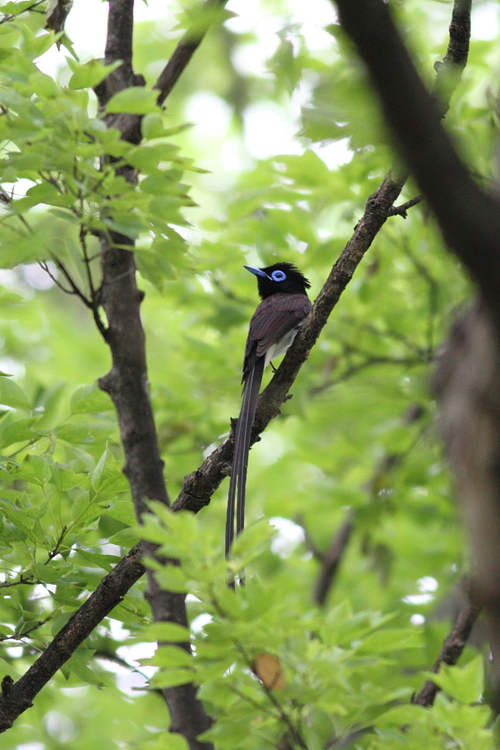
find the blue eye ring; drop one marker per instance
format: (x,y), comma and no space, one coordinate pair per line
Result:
(278,275)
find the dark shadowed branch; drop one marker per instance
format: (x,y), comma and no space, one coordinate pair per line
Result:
(453,646)
(331,560)
(467,387)
(468,217)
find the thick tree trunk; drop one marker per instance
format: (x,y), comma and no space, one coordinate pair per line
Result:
(467,384)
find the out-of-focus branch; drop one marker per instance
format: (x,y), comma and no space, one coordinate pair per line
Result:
(189,43)
(331,560)
(453,646)
(467,387)
(468,217)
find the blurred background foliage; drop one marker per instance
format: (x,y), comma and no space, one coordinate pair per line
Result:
(287,136)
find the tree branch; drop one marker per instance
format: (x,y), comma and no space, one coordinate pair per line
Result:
(199,486)
(184,51)
(119,44)
(19,695)
(331,560)
(453,646)
(127,381)
(402,210)
(466,385)
(468,217)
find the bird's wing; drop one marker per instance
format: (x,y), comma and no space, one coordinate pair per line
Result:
(276,316)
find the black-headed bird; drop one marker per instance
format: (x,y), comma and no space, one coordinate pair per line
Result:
(284,306)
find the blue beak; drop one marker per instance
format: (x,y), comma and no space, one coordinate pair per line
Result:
(256,271)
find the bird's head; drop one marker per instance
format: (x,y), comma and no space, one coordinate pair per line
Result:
(284,278)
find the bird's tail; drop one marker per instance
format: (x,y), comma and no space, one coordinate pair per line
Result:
(243,433)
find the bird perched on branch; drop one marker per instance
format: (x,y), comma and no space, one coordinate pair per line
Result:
(284,306)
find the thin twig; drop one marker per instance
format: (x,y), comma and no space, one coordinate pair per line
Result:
(21,581)
(45,267)
(402,210)
(94,294)
(75,289)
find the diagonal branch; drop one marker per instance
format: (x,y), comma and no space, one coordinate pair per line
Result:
(211,12)
(468,217)
(199,486)
(16,697)
(453,645)
(331,560)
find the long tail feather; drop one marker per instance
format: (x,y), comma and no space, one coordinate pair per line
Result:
(243,433)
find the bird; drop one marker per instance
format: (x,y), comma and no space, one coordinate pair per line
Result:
(283,308)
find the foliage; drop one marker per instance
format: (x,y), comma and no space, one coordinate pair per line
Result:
(360,432)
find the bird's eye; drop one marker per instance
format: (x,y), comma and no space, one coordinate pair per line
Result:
(278,276)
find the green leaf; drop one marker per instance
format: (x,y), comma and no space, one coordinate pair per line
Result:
(172,578)
(171,678)
(465,684)
(89,399)
(35,46)
(15,8)
(88,432)
(106,562)
(19,430)
(390,639)
(77,664)
(45,193)
(134,100)
(170,656)
(252,539)
(12,395)
(51,573)
(107,472)
(89,74)
(165,631)
(402,715)
(34,468)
